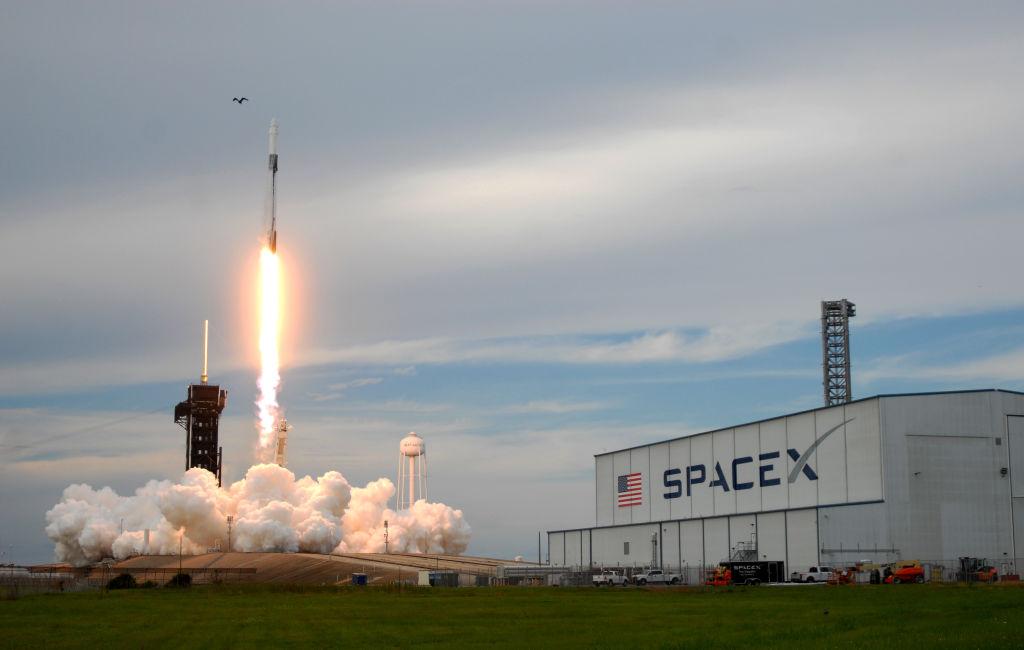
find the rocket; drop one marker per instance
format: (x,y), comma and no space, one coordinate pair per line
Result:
(272,198)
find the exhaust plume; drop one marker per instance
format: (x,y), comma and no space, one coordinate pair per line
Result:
(269,380)
(273,511)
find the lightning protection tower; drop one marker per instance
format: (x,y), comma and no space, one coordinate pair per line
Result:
(199,415)
(412,470)
(835,350)
(282,441)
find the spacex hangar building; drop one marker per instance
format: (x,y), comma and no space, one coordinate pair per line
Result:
(928,476)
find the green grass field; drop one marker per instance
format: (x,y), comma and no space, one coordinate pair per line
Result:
(250,616)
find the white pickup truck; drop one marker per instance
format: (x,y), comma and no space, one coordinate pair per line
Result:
(814,574)
(657,577)
(609,579)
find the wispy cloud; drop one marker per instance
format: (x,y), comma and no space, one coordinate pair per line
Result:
(553,407)
(21,378)
(1005,366)
(704,375)
(553,453)
(395,406)
(340,389)
(356,383)
(715,344)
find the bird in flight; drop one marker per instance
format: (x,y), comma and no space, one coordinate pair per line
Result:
(240,99)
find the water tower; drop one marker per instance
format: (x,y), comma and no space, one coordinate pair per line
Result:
(412,470)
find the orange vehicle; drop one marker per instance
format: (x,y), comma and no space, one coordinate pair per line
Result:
(987,574)
(720,576)
(843,576)
(905,572)
(976,569)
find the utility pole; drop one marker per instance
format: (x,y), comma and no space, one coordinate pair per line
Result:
(385,536)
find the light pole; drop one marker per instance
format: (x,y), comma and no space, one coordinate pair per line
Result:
(385,536)
(231,518)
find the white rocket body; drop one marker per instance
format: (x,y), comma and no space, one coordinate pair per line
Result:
(272,198)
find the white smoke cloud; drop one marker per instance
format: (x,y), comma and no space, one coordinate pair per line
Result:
(272,510)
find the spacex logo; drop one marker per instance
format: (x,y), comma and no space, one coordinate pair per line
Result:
(743,473)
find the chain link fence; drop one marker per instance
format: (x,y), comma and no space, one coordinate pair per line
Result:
(956,570)
(17,581)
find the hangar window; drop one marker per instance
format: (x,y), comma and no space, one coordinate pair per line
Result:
(625,548)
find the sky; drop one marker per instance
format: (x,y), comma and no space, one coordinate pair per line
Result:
(529,231)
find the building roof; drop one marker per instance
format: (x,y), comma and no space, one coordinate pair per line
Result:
(820,408)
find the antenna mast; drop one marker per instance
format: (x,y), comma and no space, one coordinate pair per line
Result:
(203,378)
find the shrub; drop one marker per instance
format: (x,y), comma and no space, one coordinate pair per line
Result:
(122,581)
(180,580)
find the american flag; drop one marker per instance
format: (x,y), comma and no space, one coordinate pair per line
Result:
(631,490)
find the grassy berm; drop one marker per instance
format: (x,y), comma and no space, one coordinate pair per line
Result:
(262,615)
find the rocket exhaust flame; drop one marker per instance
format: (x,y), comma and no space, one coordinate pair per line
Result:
(269,380)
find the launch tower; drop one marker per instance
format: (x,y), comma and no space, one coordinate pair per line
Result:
(282,441)
(835,350)
(199,415)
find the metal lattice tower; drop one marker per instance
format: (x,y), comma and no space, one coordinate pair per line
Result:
(199,416)
(835,349)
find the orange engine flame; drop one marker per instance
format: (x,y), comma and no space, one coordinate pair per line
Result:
(270,360)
